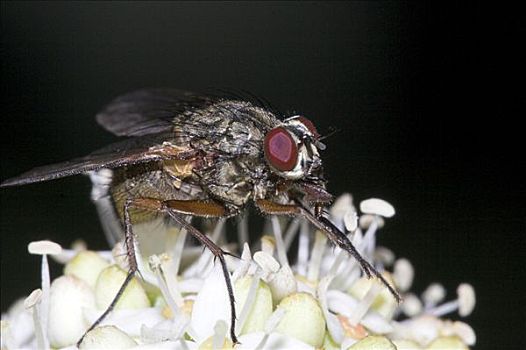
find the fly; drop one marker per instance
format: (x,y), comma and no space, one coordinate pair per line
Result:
(194,155)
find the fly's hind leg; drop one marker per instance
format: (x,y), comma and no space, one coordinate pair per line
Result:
(132,263)
(176,209)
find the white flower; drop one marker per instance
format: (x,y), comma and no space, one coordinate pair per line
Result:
(180,299)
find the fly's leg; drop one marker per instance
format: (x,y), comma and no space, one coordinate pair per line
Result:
(333,233)
(176,209)
(132,263)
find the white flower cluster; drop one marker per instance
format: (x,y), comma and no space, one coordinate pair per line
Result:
(180,301)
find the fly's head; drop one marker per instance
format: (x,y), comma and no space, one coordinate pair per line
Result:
(292,153)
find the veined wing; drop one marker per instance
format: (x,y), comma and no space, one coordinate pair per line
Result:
(136,150)
(149,111)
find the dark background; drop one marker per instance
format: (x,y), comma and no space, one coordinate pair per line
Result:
(425,97)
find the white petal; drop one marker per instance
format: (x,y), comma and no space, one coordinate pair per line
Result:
(376,323)
(6,338)
(244,264)
(348,342)
(33,298)
(169,345)
(303,248)
(274,341)
(403,274)
(128,320)
(211,304)
(191,285)
(344,304)
(20,324)
(292,232)
(267,262)
(365,221)
(333,324)
(320,243)
(366,302)
(44,247)
(199,267)
(65,256)
(268,244)
(283,284)
(411,306)
(465,332)
(340,302)
(373,342)
(384,255)
(280,245)
(166,330)
(341,205)
(466,299)
(351,220)
(433,294)
(177,249)
(377,207)
(424,329)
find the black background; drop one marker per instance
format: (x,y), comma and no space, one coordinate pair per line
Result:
(425,97)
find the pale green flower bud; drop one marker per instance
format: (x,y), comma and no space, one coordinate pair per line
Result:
(108,284)
(86,265)
(208,344)
(219,339)
(329,343)
(303,319)
(261,304)
(402,344)
(107,337)
(450,343)
(68,297)
(383,303)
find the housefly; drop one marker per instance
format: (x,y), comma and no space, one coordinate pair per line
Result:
(188,154)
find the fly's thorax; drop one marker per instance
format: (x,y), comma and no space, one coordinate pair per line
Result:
(231,180)
(227,129)
(228,136)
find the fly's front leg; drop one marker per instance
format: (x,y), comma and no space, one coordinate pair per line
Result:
(333,233)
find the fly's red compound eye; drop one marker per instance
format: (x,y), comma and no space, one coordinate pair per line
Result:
(280,149)
(308,124)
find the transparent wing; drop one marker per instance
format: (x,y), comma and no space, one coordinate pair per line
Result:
(142,149)
(149,111)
